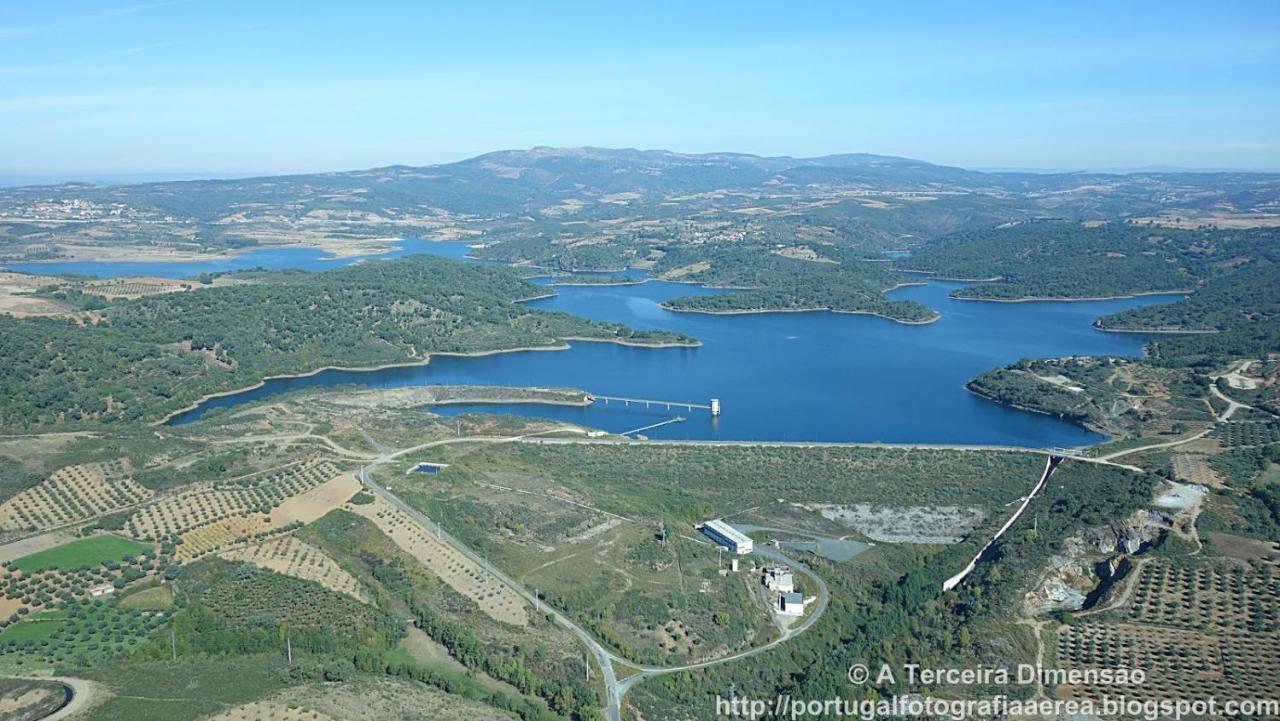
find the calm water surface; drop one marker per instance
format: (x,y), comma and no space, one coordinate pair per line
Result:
(781,376)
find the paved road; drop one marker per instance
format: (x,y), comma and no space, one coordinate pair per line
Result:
(1104,460)
(83,693)
(615,690)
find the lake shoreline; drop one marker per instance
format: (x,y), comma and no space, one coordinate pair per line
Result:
(1028,409)
(762,311)
(168,418)
(1156,331)
(1053,299)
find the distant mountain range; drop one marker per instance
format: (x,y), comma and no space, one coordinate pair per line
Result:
(580,159)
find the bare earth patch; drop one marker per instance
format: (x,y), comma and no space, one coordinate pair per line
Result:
(1195,468)
(904,524)
(691,269)
(802,252)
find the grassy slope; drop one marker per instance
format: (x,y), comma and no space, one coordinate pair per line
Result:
(86,552)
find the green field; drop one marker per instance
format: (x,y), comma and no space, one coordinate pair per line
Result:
(85,552)
(35,630)
(149,599)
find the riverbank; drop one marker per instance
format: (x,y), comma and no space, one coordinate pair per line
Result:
(1108,435)
(1158,331)
(167,419)
(761,311)
(444,395)
(1062,299)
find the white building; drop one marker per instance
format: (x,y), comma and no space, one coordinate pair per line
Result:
(728,536)
(779,578)
(791,604)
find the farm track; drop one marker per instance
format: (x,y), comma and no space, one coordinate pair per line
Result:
(84,694)
(615,689)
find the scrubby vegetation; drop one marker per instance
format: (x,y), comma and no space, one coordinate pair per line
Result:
(153,355)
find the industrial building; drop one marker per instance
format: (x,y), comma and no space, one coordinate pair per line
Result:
(791,604)
(725,535)
(779,578)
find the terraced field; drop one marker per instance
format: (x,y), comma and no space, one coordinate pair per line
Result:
(73,494)
(292,557)
(209,503)
(1198,629)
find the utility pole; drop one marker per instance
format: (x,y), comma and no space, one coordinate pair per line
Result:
(173,646)
(288,645)
(587,657)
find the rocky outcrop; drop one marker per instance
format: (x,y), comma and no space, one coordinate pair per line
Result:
(1090,562)
(1065,586)
(1129,536)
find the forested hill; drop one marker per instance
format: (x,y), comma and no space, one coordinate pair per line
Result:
(1063,259)
(1237,316)
(788,278)
(148,357)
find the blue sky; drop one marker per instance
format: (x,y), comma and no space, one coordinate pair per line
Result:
(230,86)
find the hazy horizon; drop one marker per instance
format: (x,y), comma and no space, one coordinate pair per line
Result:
(193,87)
(110,178)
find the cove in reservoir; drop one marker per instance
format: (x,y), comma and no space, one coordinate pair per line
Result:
(817,376)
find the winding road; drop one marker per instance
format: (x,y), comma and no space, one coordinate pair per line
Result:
(615,689)
(83,694)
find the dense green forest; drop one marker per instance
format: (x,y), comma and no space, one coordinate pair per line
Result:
(154,355)
(1248,296)
(836,280)
(1238,314)
(1060,259)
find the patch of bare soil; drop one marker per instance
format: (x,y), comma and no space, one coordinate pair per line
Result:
(1195,468)
(904,524)
(692,269)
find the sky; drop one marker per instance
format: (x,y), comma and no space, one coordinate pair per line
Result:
(227,87)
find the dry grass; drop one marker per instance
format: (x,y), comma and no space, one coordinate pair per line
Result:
(459,572)
(253,526)
(292,557)
(209,503)
(270,711)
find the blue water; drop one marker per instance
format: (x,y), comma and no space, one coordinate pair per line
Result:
(784,376)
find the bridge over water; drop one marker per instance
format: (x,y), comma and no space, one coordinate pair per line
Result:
(713,405)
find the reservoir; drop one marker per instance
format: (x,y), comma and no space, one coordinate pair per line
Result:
(817,376)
